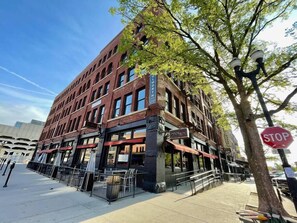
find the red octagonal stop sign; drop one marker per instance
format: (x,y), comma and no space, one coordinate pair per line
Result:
(276,137)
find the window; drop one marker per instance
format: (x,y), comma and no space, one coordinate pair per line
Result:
(109,54)
(117,107)
(97,77)
(93,95)
(88,116)
(168,106)
(140,101)
(183,112)
(103,73)
(144,40)
(99,63)
(128,104)
(131,74)
(121,79)
(106,88)
(123,58)
(176,107)
(84,101)
(94,115)
(99,92)
(101,114)
(109,68)
(139,28)
(104,59)
(115,49)
(77,123)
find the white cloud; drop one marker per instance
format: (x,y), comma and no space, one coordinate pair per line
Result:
(9,114)
(43,102)
(25,79)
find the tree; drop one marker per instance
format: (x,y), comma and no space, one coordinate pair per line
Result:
(196,40)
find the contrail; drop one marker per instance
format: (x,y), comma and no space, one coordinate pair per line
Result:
(25,79)
(23,89)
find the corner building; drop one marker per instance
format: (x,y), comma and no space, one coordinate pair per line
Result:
(126,120)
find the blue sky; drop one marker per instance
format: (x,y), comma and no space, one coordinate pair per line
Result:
(44,46)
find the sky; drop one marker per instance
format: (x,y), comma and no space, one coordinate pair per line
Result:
(45,44)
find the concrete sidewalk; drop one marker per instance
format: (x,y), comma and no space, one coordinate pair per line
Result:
(31,197)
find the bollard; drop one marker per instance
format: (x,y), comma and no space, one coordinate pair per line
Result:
(11,167)
(8,162)
(2,164)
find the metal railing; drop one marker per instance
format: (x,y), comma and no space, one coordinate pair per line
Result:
(112,187)
(204,180)
(104,185)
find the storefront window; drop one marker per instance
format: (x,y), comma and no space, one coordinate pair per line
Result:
(125,135)
(84,157)
(114,137)
(111,156)
(139,133)
(65,156)
(138,155)
(123,156)
(96,140)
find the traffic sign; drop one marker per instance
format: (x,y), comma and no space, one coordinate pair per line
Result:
(276,137)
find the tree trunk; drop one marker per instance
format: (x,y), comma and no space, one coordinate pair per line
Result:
(268,200)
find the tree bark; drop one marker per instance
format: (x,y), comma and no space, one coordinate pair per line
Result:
(268,200)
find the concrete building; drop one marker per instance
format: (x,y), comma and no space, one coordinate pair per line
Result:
(127,120)
(19,142)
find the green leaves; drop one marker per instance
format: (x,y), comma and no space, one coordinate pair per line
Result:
(197,39)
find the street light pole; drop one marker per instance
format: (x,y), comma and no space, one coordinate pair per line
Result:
(258,57)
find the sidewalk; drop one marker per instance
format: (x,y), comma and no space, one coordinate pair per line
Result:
(31,197)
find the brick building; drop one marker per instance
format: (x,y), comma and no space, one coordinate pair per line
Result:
(126,120)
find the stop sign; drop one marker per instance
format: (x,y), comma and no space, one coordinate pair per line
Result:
(276,137)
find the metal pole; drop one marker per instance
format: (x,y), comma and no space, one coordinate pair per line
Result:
(8,162)
(11,167)
(292,181)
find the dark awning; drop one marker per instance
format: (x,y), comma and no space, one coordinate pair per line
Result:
(124,141)
(205,154)
(182,148)
(47,151)
(190,150)
(65,148)
(87,146)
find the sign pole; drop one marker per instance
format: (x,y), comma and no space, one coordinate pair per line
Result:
(292,181)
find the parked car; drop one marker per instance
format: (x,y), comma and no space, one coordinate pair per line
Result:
(281,183)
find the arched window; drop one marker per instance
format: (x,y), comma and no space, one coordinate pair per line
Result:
(79,91)
(88,84)
(84,87)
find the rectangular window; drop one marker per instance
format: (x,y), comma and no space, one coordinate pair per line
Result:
(121,79)
(183,112)
(168,98)
(93,96)
(94,115)
(140,101)
(84,101)
(131,74)
(77,123)
(106,88)
(128,104)
(88,116)
(176,107)
(101,114)
(99,92)
(117,107)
